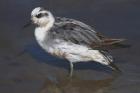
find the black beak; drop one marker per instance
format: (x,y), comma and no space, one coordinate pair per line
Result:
(27,24)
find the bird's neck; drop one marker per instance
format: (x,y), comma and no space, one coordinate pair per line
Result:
(42,32)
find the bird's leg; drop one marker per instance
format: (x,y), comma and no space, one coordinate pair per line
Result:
(71,69)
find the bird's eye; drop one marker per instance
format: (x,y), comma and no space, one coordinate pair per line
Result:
(39,15)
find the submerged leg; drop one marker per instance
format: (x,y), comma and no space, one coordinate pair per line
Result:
(71,69)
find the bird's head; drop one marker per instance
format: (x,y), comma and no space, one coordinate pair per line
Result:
(41,17)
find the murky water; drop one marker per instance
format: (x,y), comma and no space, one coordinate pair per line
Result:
(37,72)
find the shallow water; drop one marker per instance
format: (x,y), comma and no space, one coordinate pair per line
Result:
(34,71)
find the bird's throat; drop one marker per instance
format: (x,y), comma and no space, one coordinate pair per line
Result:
(42,31)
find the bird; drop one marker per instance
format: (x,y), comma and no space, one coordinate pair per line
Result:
(71,39)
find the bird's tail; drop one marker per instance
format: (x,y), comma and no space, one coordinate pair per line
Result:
(109,60)
(108,44)
(114,67)
(104,58)
(109,41)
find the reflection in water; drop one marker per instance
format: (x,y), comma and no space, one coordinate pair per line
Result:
(76,86)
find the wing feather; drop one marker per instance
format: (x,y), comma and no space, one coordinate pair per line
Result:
(79,33)
(75,32)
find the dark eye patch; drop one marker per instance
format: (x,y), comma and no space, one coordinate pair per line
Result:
(39,15)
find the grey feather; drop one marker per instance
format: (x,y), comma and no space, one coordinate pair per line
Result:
(73,31)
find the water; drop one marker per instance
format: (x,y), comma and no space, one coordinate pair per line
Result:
(34,71)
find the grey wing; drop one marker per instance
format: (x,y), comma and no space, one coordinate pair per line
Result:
(75,32)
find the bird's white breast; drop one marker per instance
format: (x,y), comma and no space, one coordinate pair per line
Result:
(40,34)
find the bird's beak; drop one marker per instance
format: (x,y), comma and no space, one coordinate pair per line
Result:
(27,24)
